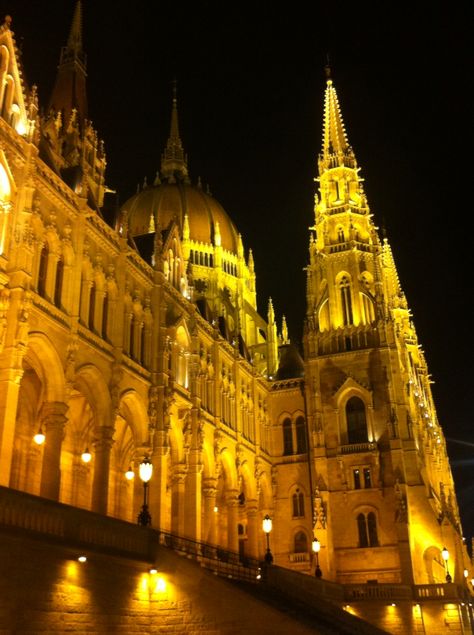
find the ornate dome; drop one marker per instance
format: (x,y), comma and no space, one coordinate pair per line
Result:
(173,197)
(170,201)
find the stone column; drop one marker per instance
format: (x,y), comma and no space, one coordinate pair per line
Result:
(53,420)
(157,491)
(177,499)
(100,485)
(209,528)
(9,387)
(192,514)
(232,502)
(252,528)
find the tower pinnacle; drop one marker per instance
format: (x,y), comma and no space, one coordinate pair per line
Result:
(174,160)
(69,91)
(336,149)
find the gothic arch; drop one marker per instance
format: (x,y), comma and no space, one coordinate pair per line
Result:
(349,389)
(43,357)
(90,382)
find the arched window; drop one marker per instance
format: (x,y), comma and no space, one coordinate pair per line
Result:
(92,306)
(300,542)
(298,504)
(300,435)
(59,283)
(287,437)
(131,349)
(372,529)
(43,269)
(356,421)
(340,235)
(367,529)
(362,529)
(105,315)
(346,300)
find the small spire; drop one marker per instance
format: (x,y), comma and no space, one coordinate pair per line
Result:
(284,332)
(271,312)
(186,230)
(157,180)
(74,43)
(251,263)
(240,247)
(70,87)
(173,160)
(336,149)
(217,234)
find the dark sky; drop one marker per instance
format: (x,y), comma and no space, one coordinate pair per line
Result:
(250,90)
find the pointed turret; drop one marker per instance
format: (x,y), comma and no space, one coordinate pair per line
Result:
(174,161)
(336,150)
(69,91)
(272,342)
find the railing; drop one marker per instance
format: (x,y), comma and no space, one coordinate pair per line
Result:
(222,562)
(353,448)
(73,526)
(439,592)
(377,592)
(298,557)
(80,528)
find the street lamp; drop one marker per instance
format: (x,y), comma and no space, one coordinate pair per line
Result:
(145,470)
(316,546)
(267,527)
(445,554)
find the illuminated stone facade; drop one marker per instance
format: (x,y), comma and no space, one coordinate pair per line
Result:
(139,335)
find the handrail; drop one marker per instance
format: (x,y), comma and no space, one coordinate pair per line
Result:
(221,561)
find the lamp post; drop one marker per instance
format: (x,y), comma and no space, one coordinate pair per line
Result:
(316,546)
(267,527)
(145,470)
(445,554)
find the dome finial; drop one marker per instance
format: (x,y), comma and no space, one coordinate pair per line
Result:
(173,160)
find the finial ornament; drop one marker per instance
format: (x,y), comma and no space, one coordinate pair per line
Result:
(7,21)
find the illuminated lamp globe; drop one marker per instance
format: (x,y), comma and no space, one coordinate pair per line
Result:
(86,456)
(445,554)
(145,470)
(39,437)
(130,474)
(267,524)
(316,545)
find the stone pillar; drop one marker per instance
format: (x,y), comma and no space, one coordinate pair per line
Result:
(9,387)
(53,420)
(192,515)
(232,502)
(252,528)
(209,528)
(100,485)
(157,491)
(177,499)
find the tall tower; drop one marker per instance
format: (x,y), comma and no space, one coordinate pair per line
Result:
(384,502)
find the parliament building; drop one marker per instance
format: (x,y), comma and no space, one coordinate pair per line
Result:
(132,333)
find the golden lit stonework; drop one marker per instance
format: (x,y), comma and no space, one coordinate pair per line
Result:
(136,340)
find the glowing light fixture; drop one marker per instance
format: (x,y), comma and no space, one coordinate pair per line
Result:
(82,559)
(130,474)
(86,456)
(145,471)
(316,547)
(466,573)
(267,525)
(216,509)
(445,555)
(39,437)
(153,571)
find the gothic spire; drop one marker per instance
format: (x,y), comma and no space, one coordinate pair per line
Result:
(69,91)
(173,159)
(74,43)
(336,149)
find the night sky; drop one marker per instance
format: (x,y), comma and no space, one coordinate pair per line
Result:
(250,97)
